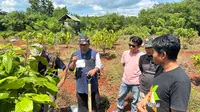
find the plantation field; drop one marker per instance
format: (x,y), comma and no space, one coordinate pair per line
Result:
(110,76)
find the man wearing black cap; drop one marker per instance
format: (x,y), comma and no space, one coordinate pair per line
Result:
(87,62)
(148,68)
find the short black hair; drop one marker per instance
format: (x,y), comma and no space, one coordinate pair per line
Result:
(169,44)
(136,40)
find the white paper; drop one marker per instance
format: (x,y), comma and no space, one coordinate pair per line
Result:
(80,64)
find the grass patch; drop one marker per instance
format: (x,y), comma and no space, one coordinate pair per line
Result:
(194,102)
(114,71)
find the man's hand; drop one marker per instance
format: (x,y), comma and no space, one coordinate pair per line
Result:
(74,58)
(59,85)
(72,65)
(141,106)
(93,71)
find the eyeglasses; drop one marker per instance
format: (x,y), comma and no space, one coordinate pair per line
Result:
(131,45)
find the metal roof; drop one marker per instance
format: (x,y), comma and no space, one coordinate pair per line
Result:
(64,17)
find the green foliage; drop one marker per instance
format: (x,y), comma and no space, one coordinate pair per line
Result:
(46,36)
(136,30)
(24,105)
(41,7)
(175,15)
(21,87)
(6,34)
(54,25)
(14,21)
(188,34)
(89,33)
(112,21)
(64,37)
(104,39)
(2,27)
(194,102)
(180,18)
(197,59)
(2,12)
(59,12)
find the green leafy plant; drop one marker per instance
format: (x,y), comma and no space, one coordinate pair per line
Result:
(197,59)
(188,34)
(22,88)
(6,34)
(136,30)
(104,39)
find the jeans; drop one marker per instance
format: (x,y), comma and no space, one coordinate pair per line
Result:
(124,90)
(142,96)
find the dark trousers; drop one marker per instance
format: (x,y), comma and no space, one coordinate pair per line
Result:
(83,102)
(46,108)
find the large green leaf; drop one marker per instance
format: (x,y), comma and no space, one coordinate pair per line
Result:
(51,86)
(31,72)
(51,80)
(25,105)
(10,78)
(34,65)
(21,69)
(29,79)
(14,84)
(7,62)
(30,94)
(40,81)
(4,95)
(43,60)
(42,98)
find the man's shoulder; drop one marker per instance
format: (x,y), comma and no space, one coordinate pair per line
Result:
(182,75)
(126,52)
(176,75)
(76,52)
(143,55)
(94,51)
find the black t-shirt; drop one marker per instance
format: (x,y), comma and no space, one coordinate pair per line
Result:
(170,90)
(148,69)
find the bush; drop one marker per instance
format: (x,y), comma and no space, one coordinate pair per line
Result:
(197,59)
(6,34)
(136,30)
(104,39)
(188,34)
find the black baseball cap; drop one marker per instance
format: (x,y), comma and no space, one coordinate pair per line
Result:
(83,40)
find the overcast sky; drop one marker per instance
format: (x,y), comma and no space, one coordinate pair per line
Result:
(90,7)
